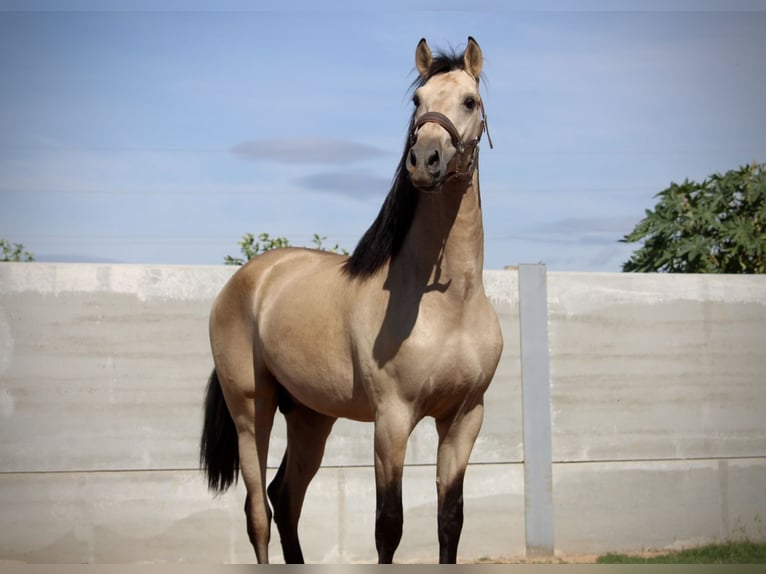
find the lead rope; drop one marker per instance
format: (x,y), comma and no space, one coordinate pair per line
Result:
(485,123)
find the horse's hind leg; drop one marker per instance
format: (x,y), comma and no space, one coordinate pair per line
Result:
(254,419)
(307,433)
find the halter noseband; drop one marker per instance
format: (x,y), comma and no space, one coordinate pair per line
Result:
(465,150)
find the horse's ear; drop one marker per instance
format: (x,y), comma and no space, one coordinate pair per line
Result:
(473,58)
(423,58)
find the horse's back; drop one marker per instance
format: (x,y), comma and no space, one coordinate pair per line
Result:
(254,279)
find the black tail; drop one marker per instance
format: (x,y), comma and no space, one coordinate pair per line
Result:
(218,447)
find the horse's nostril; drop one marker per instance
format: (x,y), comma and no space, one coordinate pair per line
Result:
(413,158)
(433,159)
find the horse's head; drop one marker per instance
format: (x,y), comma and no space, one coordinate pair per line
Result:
(448,119)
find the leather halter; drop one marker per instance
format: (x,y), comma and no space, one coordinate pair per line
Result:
(463,162)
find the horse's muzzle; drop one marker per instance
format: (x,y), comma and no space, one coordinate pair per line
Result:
(426,165)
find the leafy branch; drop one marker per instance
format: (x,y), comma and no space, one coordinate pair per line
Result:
(14,252)
(250,246)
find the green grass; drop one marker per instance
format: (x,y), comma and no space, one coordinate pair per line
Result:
(745,552)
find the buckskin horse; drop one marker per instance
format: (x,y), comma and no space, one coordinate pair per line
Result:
(398,331)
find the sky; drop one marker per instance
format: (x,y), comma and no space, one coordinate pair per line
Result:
(161,132)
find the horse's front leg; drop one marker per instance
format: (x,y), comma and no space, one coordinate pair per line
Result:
(457,435)
(392,429)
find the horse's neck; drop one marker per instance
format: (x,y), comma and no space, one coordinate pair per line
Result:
(444,250)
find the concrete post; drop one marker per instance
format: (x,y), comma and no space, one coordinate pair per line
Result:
(536,412)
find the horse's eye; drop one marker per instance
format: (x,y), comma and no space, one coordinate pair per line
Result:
(416,101)
(470,102)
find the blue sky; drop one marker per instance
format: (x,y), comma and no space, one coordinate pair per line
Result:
(141,135)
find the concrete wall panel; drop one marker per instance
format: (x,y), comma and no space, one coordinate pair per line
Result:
(102,382)
(657,367)
(112,517)
(630,506)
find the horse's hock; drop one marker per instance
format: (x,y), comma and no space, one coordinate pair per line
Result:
(656,397)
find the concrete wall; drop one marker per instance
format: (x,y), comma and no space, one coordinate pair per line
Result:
(657,394)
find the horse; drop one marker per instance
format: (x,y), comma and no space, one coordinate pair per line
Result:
(398,331)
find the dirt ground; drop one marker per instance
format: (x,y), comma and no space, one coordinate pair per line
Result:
(578,559)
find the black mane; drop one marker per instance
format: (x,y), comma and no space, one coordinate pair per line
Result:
(385,237)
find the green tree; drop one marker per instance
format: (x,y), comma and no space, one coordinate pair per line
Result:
(14,252)
(717,226)
(250,247)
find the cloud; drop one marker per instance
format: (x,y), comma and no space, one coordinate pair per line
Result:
(356,183)
(306,150)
